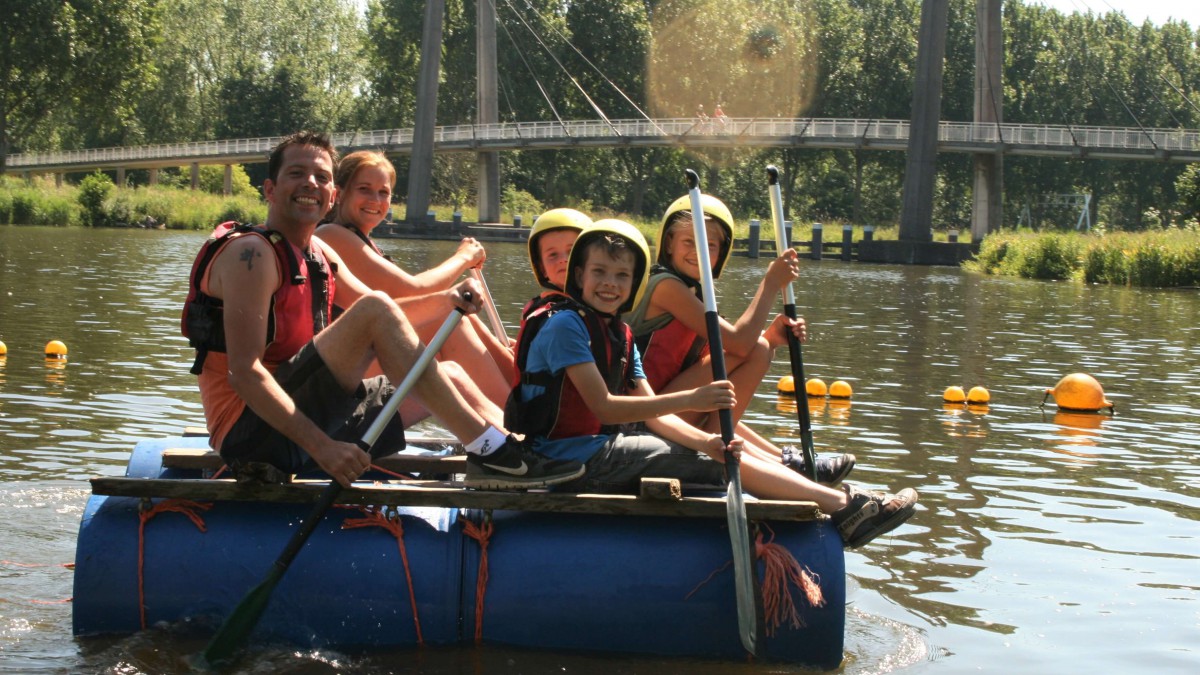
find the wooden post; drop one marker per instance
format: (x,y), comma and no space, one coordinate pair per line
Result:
(753,243)
(818,246)
(847,241)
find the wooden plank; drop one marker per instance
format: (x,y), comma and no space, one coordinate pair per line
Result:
(660,488)
(200,459)
(447,495)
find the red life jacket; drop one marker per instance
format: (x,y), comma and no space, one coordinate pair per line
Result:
(299,309)
(560,412)
(671,349)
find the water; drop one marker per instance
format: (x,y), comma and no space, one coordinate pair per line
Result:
(1045,541)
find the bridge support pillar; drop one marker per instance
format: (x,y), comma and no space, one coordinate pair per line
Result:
(58,179)
(195,175)
(486,78)
(120,176)
(228,187)
(916,215)
(987,206)
(420,165)
(153,176)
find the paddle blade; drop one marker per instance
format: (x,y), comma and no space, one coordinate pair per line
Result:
(241,621)
(743,564)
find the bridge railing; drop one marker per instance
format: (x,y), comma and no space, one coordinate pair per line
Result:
(684,130)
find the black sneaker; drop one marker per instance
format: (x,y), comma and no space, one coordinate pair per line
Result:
(871,514)
(831,469)
(515,467)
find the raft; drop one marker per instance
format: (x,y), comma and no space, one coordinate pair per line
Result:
(560,571)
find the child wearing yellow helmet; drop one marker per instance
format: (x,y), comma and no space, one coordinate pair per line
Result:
(669,327)
(581,380)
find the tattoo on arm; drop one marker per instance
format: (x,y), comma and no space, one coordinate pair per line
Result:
(249,255)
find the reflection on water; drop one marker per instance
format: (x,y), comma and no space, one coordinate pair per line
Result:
(1044,540)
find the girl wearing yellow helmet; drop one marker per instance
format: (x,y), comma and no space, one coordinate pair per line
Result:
(485,367)
(669,327)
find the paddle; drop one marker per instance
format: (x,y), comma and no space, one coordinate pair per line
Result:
(489,304)
(789,309)
(735,507)
(241,622)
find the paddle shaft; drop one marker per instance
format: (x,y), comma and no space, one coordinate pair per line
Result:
(789,310)
(735,507)
(489,305)
(242,620)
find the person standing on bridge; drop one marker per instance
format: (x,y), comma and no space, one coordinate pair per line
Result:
(281,385)
(485,366)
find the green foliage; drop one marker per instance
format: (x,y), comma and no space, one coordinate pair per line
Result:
(519,202)
(1166,258)
(94,191)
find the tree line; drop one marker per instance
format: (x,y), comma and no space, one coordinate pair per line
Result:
(94,73)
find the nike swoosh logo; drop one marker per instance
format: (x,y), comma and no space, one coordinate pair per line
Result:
(511,470)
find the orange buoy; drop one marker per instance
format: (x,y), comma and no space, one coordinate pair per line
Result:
(3,349)
(978,396)
(816,387)
(787,384)
(55,349)
(954,394)
(840,389)
(1080,392)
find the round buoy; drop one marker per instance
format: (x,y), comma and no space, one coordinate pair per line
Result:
(978,396)
(816,387)
(954,395)
(1079,391)
(840,389)
(3,349)
(787,384)
(55,349)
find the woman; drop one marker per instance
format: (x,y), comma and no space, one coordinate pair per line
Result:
(484,364)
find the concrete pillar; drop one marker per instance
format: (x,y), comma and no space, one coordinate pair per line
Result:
(486,78)
(228,188)
(987,204)
(916,215)
(847,241)
(755,233)
(195,175)
(420,164)
(58,179)
(818,243)
(154,176)
(120,176)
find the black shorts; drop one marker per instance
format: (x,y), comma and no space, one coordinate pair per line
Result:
(317,394)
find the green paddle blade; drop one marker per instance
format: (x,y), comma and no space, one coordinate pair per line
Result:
(242,620)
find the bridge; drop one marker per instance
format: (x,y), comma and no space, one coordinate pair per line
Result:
(1121,143)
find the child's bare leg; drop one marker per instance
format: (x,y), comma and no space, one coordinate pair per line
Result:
(499,348)
(465,348)
(771,480)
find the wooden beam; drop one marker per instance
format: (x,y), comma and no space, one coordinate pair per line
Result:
(200,459)
(448,495)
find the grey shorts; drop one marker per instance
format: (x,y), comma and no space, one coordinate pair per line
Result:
(344,416)
(625,459)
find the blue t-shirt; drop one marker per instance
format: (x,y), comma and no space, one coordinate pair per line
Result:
(562,342)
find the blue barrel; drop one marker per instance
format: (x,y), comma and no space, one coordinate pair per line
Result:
(610,583)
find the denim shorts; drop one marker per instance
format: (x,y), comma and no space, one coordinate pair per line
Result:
(624,459)
(317,394)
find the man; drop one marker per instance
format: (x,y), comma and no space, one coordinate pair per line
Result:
(281,388)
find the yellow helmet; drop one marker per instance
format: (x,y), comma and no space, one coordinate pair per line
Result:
(554,219)
(641,253)
(713,208)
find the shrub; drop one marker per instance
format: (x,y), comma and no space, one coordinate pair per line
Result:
(94,190)
(520,202)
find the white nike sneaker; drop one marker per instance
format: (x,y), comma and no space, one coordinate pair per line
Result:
(515,467)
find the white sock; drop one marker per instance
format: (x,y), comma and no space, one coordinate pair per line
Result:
(487,443)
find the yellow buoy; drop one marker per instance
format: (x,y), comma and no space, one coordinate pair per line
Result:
(840,389)
(954,395)
(55,349)
(816,387)
(1078,391)
(787,384)
(978,396)
(3,349)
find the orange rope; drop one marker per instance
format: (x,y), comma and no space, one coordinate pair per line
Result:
(376,518)
(393,474)
(780,569)
(482,534)
(185,506)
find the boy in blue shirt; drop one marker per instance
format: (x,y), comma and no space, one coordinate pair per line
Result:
(581,384)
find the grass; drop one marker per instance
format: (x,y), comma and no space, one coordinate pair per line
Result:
(1157,258)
